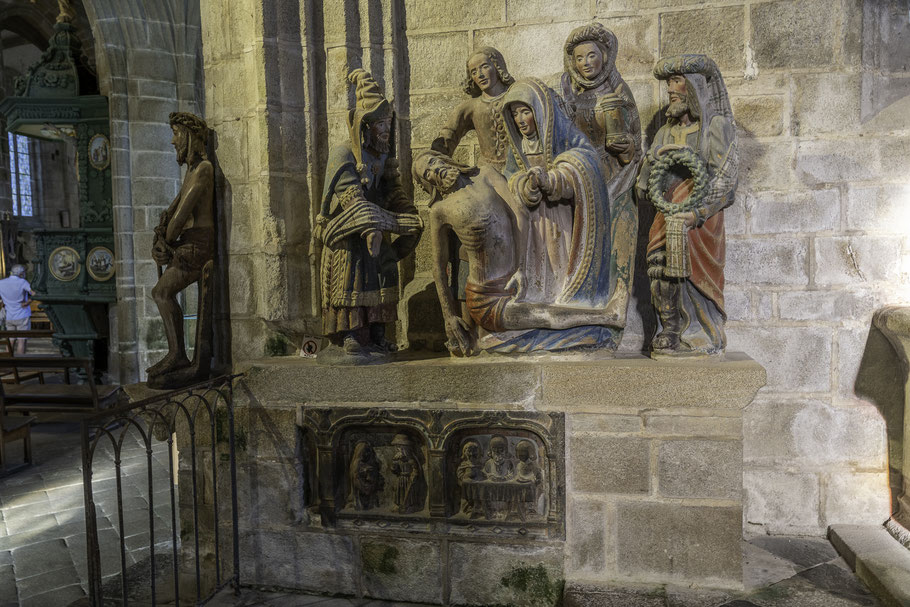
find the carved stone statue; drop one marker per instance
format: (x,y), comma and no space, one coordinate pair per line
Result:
(603,108)
(478,207)
(499,465)
(487,81)
(185,244)
(470,469)
(690,175)
(528,472)
(365,478)
(409,493)
(556,173)
(363,205)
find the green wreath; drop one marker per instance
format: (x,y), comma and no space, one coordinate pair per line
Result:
(661,172)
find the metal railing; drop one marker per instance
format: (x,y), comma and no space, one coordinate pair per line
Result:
(190,418)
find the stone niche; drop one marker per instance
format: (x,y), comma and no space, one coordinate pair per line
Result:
(376,481)
(494,474)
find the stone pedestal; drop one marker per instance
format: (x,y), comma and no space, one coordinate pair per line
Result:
(652,464)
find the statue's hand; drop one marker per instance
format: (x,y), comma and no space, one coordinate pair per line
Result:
(531,189)
(688,218)
(517,283)
(374,240)
(161,252)
(459,335)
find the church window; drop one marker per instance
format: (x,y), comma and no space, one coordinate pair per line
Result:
(20,169)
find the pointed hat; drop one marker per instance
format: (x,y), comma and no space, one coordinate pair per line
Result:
(369,104)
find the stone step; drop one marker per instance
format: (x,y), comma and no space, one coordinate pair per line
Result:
(878,559)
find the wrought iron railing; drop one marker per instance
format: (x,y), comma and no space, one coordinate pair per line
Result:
(192,423)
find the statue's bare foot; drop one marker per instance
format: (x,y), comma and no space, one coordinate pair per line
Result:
(171,362)
(665,341)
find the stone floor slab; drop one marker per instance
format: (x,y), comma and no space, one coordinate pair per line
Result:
(761,568)
(878,559)
(803,552)
(40,558)
(45,582)
(60,596)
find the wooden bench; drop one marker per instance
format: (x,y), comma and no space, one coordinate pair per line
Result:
(60,398)
(6,350)
(13,428)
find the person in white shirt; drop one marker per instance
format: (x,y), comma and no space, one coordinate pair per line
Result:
(15,292)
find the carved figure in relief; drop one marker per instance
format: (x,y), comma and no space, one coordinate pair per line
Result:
(478,208)
(184,243)
(527,471)
(409,492)
(603,108)
(470,469)
(365,477)
(363,205)
(487,81)
(499,465)
(690,174)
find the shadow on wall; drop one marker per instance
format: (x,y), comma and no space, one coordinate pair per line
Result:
(221,322)
(880,379)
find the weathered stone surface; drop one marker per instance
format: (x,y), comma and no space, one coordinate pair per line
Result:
(692,425)
(438,61)
(680,542)
(843,260)
(765,165)
(401,570)
(527,576)
(429,112)
(716,32)
(698,468)
(579,387)
(318,562)
(605,423)
(825,305)
(523,10)
(748,261)
(821,161)
(857,498)
(607,464)
(825,103)
(811,211)
(814,433)
(783,354)
(760,115)
(458,14)
(637,38)
(542,58)
(782,502)
(882,209)
(794,34)
(587,537)
(568,385)
(878,559)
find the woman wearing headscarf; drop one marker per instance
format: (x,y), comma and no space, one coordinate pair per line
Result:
(602,106)
(554,171)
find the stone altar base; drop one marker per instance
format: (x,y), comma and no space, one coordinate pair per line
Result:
(651,457)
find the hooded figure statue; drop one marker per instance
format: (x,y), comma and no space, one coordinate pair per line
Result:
(553,170)
(362,205)
(690,301)
(602,106)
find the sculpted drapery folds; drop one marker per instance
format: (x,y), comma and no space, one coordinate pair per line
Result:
(691,309)
(602,106)
(363,204)
(487,81)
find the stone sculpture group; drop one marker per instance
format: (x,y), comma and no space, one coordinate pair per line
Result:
(534,248)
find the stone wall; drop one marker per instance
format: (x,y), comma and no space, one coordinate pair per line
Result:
(816,239)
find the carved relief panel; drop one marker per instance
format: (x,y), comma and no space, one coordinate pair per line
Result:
(441,471)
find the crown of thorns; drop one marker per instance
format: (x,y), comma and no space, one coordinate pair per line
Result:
(194,123)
